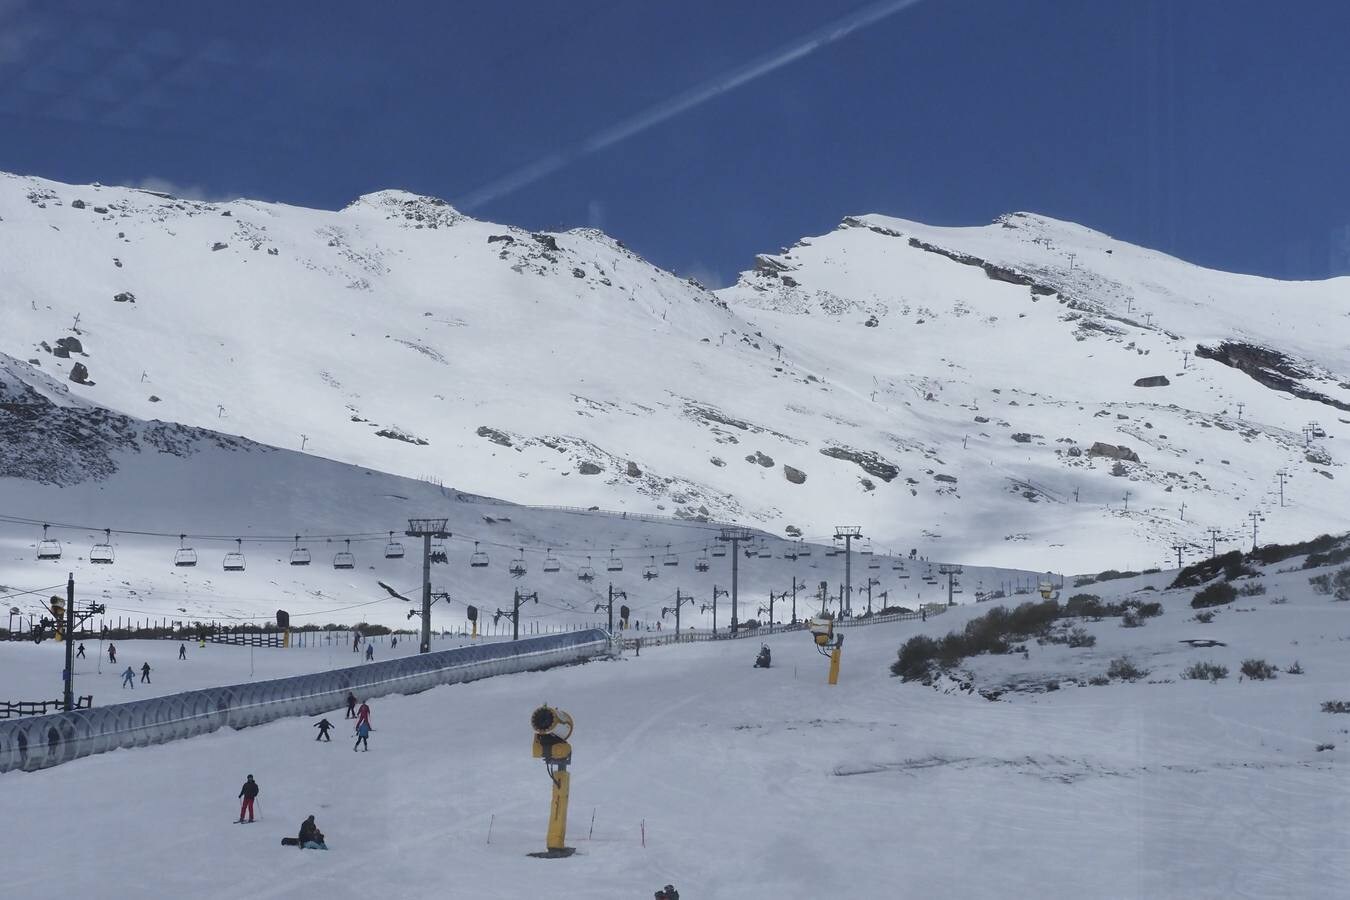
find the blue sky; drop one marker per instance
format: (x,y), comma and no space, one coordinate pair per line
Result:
(1217,131)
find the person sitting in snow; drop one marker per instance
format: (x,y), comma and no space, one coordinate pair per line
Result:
(311,838)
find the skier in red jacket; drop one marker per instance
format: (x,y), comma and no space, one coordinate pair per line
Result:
(249,791)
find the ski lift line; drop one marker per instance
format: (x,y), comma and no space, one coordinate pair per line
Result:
(55,587)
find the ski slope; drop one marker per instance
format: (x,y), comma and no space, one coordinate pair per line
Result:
(769,783)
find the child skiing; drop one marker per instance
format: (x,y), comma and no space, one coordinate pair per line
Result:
(182,651)
(112,654)
(323,726)
(249,792)
(129,678)
(79,653)
(145,673)
(363,731)
(370,652)
(351,705)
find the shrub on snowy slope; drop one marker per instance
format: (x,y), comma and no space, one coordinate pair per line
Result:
(994,632)
(1217,594)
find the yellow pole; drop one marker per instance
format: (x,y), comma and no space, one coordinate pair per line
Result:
(557,818)
(286,641)
(834,663)
(475,628)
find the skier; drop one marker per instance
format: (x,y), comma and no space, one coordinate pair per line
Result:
(393,642)
(129,678)
(363,731)
(145,673)
(79,653)
(249,792)
(311,838)
(667,893)
(356,643)
(765,658)
(182,651)
(323,727)
(370,652)
(112,654)
(363,714)
(351,705)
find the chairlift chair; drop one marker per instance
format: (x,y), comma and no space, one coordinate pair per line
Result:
(615,564)
(299,555)
(587,572)
(701,564)
(234,560)
(866,549)
(551,563)
(670,559)
(184,556)
(803,549)
(517,568)
(650,571)
(874,563)
(439,553)
(719,550)
(764,552)
(479,559)
(344,559)
(393,549)
(102,554)
(48,548)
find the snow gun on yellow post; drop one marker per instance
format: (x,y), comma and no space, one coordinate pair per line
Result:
(552,730)
(828,643)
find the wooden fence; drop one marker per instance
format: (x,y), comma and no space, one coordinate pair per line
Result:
(41,707)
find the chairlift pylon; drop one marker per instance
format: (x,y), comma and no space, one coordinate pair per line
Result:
(344,559)
(517,569)
(551,563)
(670,559)
(615,564)
(393,549)
(102,554)
(479,559)
(184,556)
(48,548)
(234,560)
(299,555)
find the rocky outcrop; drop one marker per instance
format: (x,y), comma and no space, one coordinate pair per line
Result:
(1152,381)
(590,468)
(1113,451)
(871,463)
(1269,367)
(398,434)
(492,434)
(796,476)
(762,458)
(79,374)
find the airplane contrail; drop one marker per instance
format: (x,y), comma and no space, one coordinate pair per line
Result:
(696,96)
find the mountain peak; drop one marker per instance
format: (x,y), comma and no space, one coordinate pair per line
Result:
(417,210)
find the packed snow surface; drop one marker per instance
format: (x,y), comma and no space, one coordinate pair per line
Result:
(748,783)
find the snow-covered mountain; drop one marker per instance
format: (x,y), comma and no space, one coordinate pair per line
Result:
(976,393)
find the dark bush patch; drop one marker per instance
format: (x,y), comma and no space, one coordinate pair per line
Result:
(1099,680)
(1336,706)
(1229,565)
(1251,589)
(1124,669)
(1204,618)
(1205,671)
(1217,594)
(1295,669)
(1258,669)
